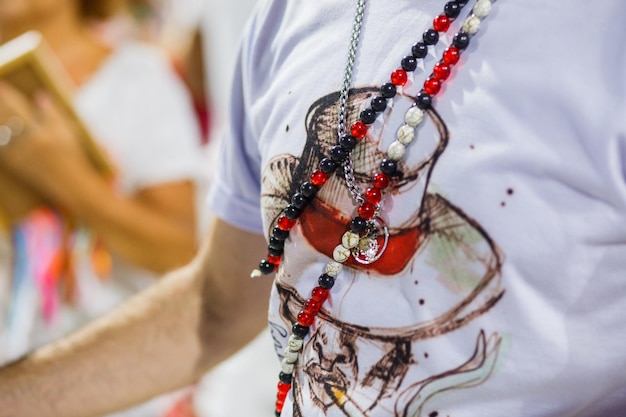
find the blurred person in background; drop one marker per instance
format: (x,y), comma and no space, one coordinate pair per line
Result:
(145,223)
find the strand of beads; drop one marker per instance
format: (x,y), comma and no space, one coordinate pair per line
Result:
(441,71)
(399,78)
(358,130)
(371,199)
(380,181)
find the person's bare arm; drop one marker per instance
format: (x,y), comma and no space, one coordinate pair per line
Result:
(160,340)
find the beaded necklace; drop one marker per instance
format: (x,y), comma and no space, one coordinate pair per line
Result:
(367,237)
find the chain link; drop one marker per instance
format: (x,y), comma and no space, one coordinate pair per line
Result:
(343,98)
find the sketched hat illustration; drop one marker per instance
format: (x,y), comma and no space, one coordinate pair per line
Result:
(455,261)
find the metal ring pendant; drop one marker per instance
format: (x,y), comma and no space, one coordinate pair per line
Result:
(369,249)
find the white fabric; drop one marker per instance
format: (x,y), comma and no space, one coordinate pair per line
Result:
(512,303)
(137,95)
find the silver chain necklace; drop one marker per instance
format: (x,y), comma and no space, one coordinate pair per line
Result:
(348,170)
(373,251)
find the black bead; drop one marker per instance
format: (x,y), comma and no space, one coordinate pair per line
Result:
(326,281)
(358,225)
(277,413)
(328,166)
(388,90)
(461,40)
(308,189)
(409,63)
(279,233)
(299,331)
(388,166)
(299,200)
(285,378)
(452,9)
(368,116)
(275,251)
(430,37)
(423,100)
(419,50)
(276,243)
(292,212)
(266,267)
(338,153)
(348,142)
(379,103)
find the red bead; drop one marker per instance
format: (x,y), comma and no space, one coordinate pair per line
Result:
(399,77)
(380,181)
(358,130)
(305,319)
(432,86)
(319,294)
(441,71)
(280,403)
(367,210)
(274,260)
(451,55)
(318,178)
(283,389)
(373,195)
(285,224)
(312,306)
(441,23)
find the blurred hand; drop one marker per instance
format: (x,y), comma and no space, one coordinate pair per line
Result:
(47,145)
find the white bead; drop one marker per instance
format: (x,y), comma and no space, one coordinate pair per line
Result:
(290,356)
(482,8)
(350,240)
(414,116)
(333,268)
(287,367)
(255,273)
(295,343)
(471,25)
(396,151)
(341,253)
(406,134)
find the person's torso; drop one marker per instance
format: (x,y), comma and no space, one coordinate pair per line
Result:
(501,288)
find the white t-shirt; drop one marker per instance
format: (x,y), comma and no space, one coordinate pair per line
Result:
(502,289)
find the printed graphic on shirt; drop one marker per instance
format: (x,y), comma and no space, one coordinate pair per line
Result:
(397,337)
